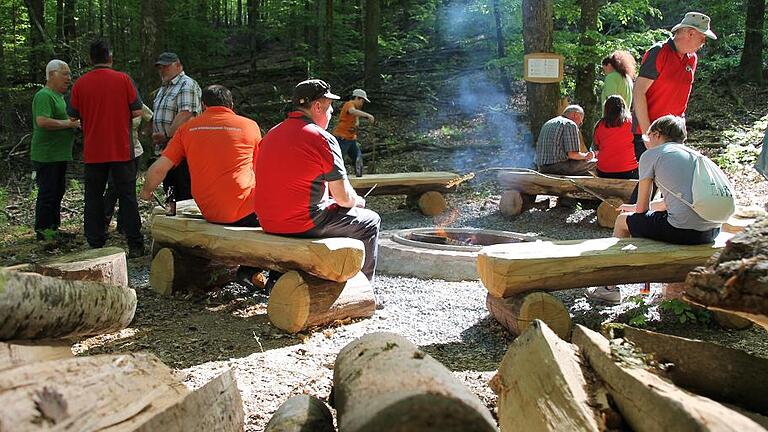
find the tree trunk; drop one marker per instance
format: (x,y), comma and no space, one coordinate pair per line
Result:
(37,40)
(500,54)
(70,27)
(299,301)
(508,269)
(538,33)
(40,307)
(60,20)
(751,63)
(328,36)
(404,183)
(104,265)
(301,413)
(372,25)
(383,382)
(516,313)
(586,72)
(21,353)
(537,360)
(648,402)
(151,19)
(239,20)
(533,183)
(172,272)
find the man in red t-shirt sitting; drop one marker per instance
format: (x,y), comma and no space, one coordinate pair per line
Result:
(302,188)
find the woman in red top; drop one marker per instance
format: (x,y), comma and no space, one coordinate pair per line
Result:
(613,138)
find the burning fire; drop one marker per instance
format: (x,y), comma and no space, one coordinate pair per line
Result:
(445,220)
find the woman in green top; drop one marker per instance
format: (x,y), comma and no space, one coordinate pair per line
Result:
(619,69)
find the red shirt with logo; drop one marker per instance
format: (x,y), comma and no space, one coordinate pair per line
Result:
(296,161)
(617,150)
(103,100)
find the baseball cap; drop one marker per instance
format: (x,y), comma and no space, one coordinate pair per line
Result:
(311,90)
(361,93)
(166,58)
(697,21)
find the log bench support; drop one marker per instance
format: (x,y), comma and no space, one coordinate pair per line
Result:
(424,190)
(516,313)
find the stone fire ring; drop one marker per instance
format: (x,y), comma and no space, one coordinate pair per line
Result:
(399,256)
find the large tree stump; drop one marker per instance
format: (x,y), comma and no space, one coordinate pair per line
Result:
(133,392)
(516,313)
(539,362)
(513,202)
(299,301)
(105,265)
(383,382)
(172,271)
(20,353)
(33,306)
(646,401)
(301,413)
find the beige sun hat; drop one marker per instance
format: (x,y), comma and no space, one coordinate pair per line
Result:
(697,21)
(361,93)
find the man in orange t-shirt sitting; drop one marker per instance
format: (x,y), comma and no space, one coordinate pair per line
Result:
(346,131)
(220,148)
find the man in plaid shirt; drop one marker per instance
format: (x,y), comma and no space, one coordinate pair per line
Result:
(557,149)
(177,101)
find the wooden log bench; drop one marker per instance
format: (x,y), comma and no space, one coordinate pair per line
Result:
(321,283)
(424,190)
(520,190)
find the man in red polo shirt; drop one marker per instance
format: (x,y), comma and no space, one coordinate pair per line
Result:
(666,75)
(220,148)
(302,188)
(105,101)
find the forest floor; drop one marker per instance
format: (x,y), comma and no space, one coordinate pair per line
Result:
(228,327)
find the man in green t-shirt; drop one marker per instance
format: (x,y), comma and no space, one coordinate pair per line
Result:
(52,137)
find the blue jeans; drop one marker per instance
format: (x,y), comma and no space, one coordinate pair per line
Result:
(350,148)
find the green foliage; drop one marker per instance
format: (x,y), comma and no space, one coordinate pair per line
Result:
(685,313)
(639,314)
(3,205)
(736,156)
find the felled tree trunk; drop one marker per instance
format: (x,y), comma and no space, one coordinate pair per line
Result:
(299,301)
(33,306)
(646,401)
(20,353)
(537,360)
(172,271)
(404,183)
(516,313)
(534,183)
(301,413)
(105,265)
(383,382)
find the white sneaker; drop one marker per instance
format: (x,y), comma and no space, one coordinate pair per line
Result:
(608,294)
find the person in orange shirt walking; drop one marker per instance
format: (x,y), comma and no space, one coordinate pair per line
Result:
(346,131)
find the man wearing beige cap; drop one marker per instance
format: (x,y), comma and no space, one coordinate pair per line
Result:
(666,75)
(346,130)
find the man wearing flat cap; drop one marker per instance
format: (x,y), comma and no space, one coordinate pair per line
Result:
(665,79)
(302,188)
(177,101)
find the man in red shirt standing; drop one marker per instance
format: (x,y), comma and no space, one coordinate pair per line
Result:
(105,101)
(665,80)
(302,188)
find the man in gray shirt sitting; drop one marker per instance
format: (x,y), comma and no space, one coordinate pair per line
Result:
(558,150)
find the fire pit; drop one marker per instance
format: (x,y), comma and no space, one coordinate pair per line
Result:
(439,253)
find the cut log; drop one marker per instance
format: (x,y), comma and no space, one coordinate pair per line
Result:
(431,203)
(404,183)
(737,280)
(731,321)
(607,212)
(513,202)
(20,353)
(114,392)
(508,269)
(299,301)
(301,413)
(383,382)
(104,265)
(736,224)
(534,183)
(516,313)
(646,401)
(174,272)
(336,259)
(34,306)
(720,373)
(541,385)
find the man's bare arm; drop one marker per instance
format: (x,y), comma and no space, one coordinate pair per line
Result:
(361,113)
(179,120)
(48,123)
(640,102)
(155,175)
(344,194)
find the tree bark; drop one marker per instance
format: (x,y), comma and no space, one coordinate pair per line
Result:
(70,27)
(383,382)
(60,19)
(537,360)
(33,306)
(516,313)
(299,301)
(151,41)
(172,272)
(533,183)
(104,265)
(372,71)
(508,269)
(538,34)
(404,183)
(500,54)
(301,413)
(586,72)
(328,36)
(37,39)
(646,401)
(751,63)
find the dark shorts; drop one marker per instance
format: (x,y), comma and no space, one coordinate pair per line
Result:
(655,226)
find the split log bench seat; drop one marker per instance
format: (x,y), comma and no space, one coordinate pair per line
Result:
(520,189)
(322,281)
(424,189)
